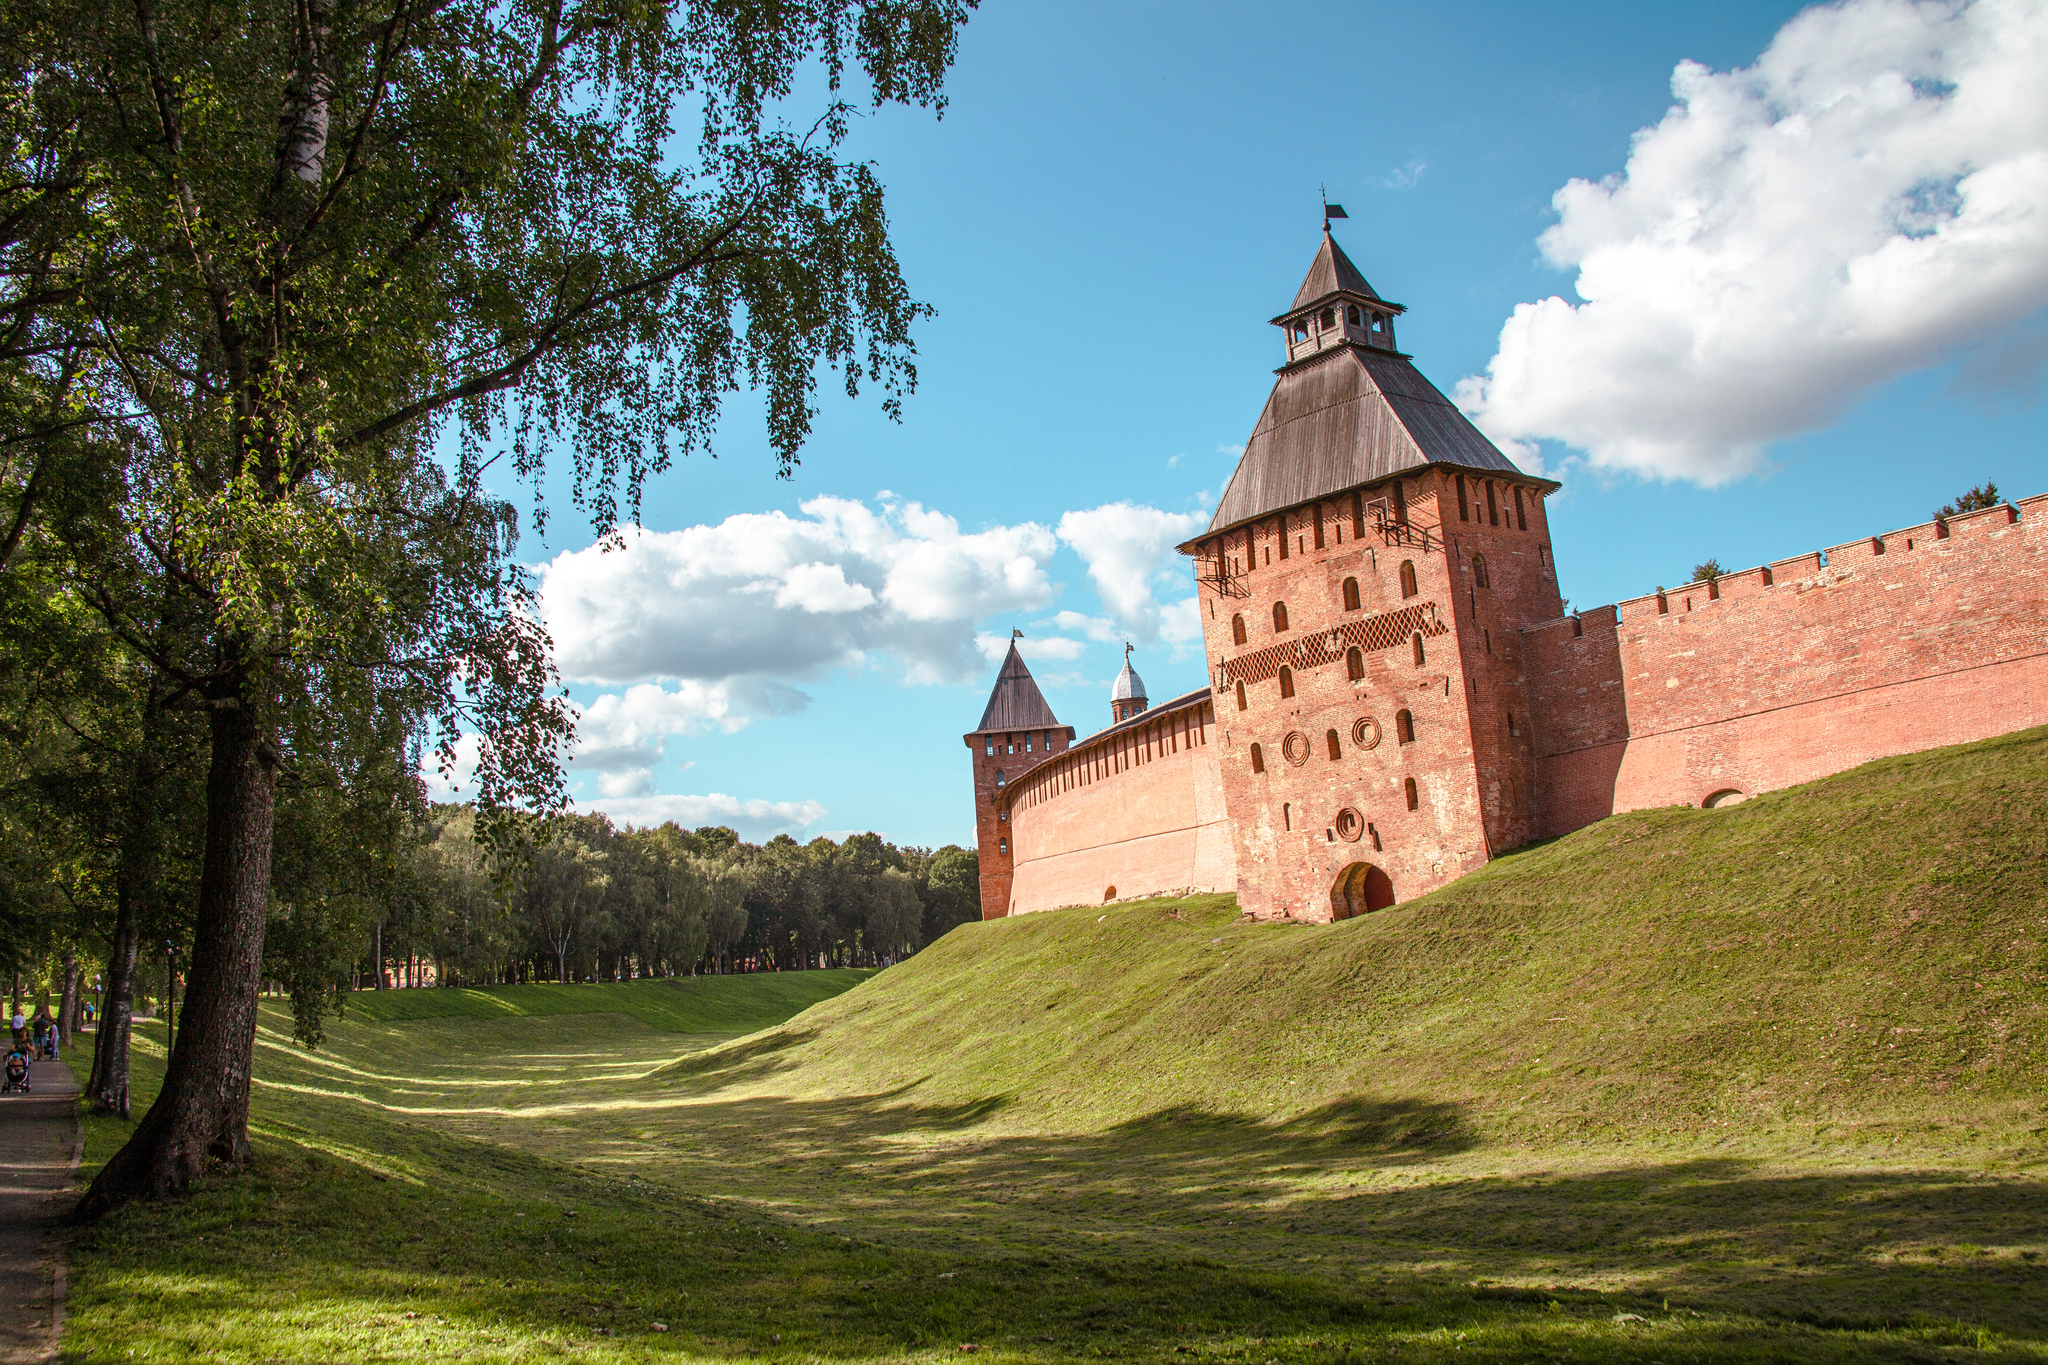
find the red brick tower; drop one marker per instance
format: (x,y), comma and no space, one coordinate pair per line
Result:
(1017,731)
(1362,584)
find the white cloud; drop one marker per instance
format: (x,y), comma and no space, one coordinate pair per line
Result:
(1128,549)
(1234,452)
(1872,193)
(994,647)
(1404,177)
(767,595)
(455,784)
(1100,629)
(755,819)
(622,736)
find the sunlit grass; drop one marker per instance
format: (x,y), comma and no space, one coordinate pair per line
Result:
(1160,1133)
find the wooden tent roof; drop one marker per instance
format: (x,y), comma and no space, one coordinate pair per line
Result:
(1347,416)
(1331,272)
(1016,703)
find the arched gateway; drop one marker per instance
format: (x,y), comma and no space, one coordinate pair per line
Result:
(1360,889)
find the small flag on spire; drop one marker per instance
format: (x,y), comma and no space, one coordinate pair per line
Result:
(1334,211)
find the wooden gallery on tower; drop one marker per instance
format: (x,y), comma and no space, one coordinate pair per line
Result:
(1396,694)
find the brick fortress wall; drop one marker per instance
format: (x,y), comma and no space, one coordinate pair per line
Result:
(1135,810)
(1792,671)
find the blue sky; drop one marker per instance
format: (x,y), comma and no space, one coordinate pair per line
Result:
(1117,200)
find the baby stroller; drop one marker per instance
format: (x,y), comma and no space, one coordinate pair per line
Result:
(17,1073)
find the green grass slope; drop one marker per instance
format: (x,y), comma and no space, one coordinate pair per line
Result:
(703,1004)
(1859,959)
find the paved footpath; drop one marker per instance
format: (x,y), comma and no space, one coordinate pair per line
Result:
(39,1138)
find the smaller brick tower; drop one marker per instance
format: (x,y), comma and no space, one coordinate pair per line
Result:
(1017,731)
(1127,698)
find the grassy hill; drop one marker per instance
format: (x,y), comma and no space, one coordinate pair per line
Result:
(1858,959)
(702,1004)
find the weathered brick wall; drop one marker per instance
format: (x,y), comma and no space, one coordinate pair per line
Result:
(1302,824)
(1789,672)
(1135,811)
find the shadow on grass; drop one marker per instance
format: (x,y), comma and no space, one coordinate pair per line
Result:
(506,1255)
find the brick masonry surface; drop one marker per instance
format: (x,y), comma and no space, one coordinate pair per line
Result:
(1520,722)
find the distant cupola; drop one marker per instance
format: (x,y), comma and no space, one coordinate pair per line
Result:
(1127,698)
(1336,307)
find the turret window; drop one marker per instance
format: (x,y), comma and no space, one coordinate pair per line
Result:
(1286,681)
(1280,617)
(1353,314)
(1027,744)
(1258,759)
(1237,631)
(1414,797)
(999,777)
(1336,748)
(1351,594)
(1354,664)
(1240,696)
(990,752)
(1416,641)
(1002,846)
(1404,727)
(1408,585)
(1329,318)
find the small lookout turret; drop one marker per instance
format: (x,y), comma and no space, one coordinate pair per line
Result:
(1127,698)
(1336,307)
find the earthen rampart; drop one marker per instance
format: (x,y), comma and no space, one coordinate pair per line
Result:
(1134,810)
(1935,634)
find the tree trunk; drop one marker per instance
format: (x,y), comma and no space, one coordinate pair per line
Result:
(67,1004)
(109,1084)
(203,1109)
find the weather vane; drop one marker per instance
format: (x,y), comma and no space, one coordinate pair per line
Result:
(1330,210)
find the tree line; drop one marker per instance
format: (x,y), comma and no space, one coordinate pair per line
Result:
(598,903)
(279,289)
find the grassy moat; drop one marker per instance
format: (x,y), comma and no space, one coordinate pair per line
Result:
(1766,1083)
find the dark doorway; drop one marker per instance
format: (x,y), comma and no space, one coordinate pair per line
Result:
(1360,889)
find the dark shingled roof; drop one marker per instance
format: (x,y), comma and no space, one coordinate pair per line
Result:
(1330,272)
(1348,416)
(1016,703)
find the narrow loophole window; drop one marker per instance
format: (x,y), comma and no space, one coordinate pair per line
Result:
(1279,617)
(1479,571)
(1351,599)
(1286,681)
(1237,631)
(1415,640)
(1330,739)
(1408,585)
(1404,727)
(1240,696)
(1258,759)
(1354,663)
(1414,797)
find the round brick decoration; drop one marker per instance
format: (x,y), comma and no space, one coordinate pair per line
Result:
(1295,747)
(1350,824)
(1365,733)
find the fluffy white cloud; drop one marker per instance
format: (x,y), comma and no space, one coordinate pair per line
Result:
(1128,549)
(1870,194)
(994,647)
(755,819)
(621,736)
(773,596)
